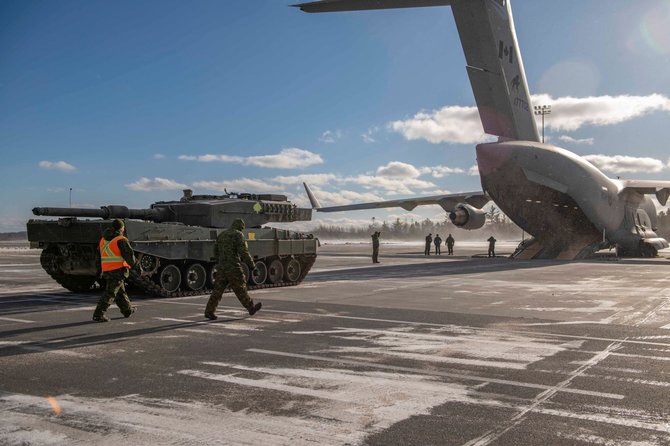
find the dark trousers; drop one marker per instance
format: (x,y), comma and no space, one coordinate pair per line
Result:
(233,278)
(115,291)
(450,249)
(437,249)
(375,255)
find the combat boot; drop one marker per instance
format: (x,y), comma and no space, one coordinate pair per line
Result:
(127,314)
(100,318)
(253,310)
(211,316)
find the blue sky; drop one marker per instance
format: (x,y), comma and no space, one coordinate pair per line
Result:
(127,102)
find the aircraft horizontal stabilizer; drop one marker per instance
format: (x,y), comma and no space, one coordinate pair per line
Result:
(448,202)
(361,5)
(648,187)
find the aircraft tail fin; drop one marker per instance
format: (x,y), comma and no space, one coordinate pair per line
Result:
(495,68)
(312,199)
(494,64)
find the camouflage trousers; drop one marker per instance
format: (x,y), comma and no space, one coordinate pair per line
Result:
(233,278)
(115,291)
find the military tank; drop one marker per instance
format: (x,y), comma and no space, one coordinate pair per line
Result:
(174,242)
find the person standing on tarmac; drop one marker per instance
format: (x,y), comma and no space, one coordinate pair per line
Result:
(438,243)
(450,245)
(231,250)
(429,240)
(375,246)
(492,246)
(116,258)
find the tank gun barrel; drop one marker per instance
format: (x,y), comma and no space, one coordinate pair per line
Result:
(113,211)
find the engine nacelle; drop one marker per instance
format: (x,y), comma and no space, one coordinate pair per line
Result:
(467,217)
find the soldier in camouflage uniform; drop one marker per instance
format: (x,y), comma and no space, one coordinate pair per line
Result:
(231,251)
(115,288)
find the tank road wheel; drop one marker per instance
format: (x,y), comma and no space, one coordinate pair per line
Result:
(259,274)
(245,271)
(292,270)
(170,278)
(275,271)
(195,277)
(148,264)
(211,277)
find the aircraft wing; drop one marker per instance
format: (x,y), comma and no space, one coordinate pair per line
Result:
(448,202)
(648,187)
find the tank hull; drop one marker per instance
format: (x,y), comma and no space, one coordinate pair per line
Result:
(175,259)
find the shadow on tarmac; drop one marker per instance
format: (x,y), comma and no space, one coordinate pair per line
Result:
(465,266)
(86,339)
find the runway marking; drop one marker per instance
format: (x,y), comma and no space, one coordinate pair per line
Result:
(11,319)
(359,363)
(466,327)
(463,327)
(520,417)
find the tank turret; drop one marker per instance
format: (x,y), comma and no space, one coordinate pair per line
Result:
(174,242)
(212,211)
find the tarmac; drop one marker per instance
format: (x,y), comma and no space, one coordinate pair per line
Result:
(438,350)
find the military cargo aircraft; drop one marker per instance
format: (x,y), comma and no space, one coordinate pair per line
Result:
(567,204)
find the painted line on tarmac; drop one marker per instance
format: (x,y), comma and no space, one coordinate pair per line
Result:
(480,329)
(429,324)
(438,373)
(11,319)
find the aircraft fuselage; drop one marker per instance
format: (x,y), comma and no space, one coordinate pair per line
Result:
(561,199)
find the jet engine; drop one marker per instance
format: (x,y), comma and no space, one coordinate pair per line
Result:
(467,217)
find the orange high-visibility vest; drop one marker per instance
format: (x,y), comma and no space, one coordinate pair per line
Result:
(110,254)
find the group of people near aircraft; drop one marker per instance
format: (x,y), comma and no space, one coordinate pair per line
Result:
(430,241)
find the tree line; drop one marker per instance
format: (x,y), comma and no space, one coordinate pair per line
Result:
(497,224)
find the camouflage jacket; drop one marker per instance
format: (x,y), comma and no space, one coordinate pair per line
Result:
(231,250)
(375,240)
(124,246)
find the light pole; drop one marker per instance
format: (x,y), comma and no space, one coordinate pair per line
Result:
(542,110)
(70,197)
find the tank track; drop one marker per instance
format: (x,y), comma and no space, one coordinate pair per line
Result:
(76,284)
(150,287)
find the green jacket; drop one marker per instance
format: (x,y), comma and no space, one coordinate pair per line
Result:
(231,249)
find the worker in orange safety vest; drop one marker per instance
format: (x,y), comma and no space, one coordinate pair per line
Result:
(116,259)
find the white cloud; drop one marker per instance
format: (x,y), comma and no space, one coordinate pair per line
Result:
(392,186)
(461,125)
(330,137)
(473,171)
(290,158)
(342,197)
(210,158)
(286,159)
(570,139)
(146,184)
(368,136)
(440,171)
(58,165)
(159,156)
(621,163)
(239,185)
(451,124)
(398,169)
(316,178)
(569,114)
